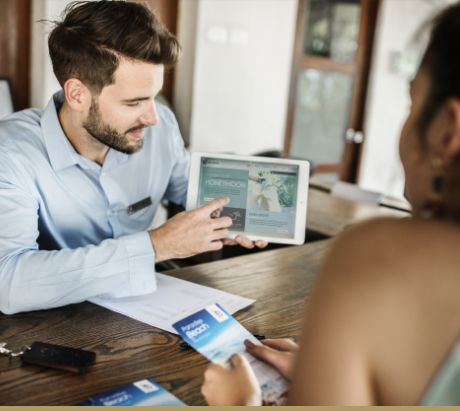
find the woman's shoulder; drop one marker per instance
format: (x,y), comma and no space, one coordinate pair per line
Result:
(397,282)
(389,245)
(398,236)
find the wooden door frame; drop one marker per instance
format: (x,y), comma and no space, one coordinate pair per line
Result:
(15,49)
(167,11)
(360,68)
(295,70)
(352,151)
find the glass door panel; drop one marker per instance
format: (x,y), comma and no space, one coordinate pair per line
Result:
(321,115)
(332,56)
(332,29)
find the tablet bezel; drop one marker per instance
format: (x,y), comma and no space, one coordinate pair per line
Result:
(302,192)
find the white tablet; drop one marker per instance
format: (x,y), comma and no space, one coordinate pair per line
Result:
(268,196)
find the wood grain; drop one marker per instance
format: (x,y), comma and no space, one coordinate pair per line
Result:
(167,12)
(329,215)
(15,48)
(388,201)
(128,350)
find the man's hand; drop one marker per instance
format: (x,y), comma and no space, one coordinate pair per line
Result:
(240,239)
(278,352)
(231,386)
(191,232)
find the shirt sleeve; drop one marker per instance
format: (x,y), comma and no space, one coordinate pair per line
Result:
(32,279)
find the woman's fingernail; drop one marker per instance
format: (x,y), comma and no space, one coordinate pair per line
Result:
(249,344)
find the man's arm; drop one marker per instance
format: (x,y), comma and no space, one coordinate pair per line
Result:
(31,279)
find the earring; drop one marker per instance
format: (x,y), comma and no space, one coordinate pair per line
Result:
(435,206)
(438,181)
(438,184)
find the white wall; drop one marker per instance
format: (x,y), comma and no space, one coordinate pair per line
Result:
(241,74)
(43,81)
(184,71)
(388,99)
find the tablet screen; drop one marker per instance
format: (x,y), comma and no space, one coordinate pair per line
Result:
(262,194)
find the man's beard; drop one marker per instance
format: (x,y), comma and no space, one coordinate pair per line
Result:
(107,135)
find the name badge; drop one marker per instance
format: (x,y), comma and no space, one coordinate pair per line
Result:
(139,205)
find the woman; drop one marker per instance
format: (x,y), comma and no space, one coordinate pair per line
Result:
(385,310)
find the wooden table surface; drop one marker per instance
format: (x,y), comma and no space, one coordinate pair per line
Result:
(316,182)
(329,215)
(128,350)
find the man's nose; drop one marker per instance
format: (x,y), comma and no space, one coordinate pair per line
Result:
(150,116)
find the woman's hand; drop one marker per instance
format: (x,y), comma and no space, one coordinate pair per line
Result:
(279,353)
(231,386)
(245,242)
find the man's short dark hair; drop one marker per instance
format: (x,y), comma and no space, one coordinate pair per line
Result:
(93,35)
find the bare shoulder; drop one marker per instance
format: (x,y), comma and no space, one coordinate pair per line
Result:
(397,258)
(394,245)
(391,287)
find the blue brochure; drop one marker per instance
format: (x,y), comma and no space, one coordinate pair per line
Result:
(215,334)
(144,392)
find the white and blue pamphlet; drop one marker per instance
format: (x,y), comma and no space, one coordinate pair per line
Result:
(215,334)
(144,392)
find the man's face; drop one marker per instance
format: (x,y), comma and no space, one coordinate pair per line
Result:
(119,115)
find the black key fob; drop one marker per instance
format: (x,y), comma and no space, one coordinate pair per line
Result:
(58,356)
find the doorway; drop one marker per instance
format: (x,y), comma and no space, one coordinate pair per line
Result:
(331,61)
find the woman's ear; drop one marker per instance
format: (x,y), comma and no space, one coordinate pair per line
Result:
(451,139)
(444,132)
(77,95)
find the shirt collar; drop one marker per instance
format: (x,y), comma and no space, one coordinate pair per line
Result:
(60,151)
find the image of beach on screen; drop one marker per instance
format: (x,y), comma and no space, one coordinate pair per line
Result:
(262,195)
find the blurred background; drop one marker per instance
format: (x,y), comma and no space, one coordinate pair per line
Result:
(324,80)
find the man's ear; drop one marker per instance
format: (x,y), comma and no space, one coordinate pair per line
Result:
(77,95)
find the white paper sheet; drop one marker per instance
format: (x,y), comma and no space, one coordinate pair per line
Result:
(173,300)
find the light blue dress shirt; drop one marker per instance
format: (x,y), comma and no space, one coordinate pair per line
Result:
(65,231)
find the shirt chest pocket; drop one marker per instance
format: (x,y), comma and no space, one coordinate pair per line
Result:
(136,217)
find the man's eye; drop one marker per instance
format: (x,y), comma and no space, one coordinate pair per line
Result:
(135,104)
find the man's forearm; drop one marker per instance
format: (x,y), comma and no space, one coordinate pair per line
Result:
(32,279)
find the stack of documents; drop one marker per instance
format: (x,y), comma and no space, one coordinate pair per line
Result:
(173,300)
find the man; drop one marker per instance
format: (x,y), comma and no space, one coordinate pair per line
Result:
(80,182)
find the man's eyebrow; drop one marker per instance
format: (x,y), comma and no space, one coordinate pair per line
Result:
(132,100)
